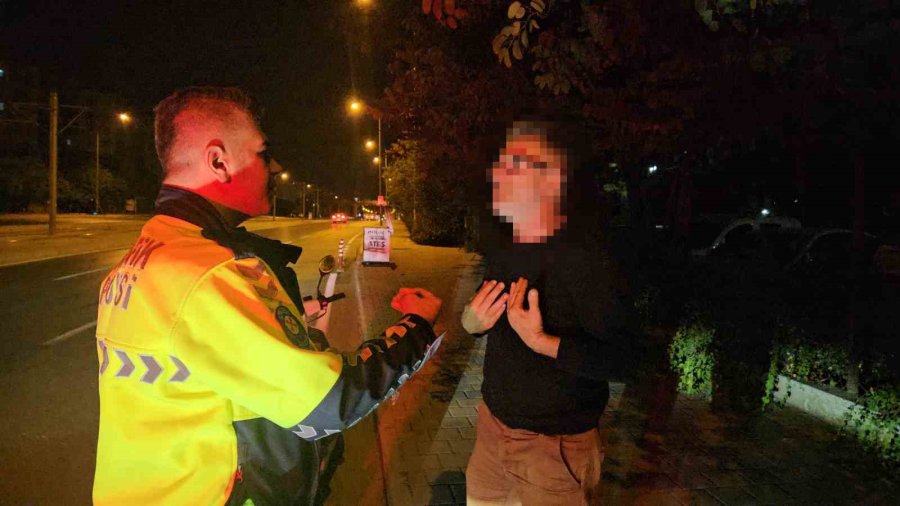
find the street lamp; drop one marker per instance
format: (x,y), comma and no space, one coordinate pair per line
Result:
(355,107)
(377,161)
(370,145)
(284,176)
(125,119)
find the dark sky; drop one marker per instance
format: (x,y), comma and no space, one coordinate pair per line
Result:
(301,59)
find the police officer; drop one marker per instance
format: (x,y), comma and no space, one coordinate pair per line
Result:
(212,390)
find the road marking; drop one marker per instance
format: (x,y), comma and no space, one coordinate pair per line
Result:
(70,276)
(74,332)
(65,255)
(363,321)
(353,239)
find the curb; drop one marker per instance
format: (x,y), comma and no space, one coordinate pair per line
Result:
(823,405)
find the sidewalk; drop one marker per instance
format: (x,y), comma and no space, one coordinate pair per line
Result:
(25,238)
(414,451)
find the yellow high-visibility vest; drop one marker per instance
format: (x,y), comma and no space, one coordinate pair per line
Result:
(190,340)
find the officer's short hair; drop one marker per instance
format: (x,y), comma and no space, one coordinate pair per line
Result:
(213,102)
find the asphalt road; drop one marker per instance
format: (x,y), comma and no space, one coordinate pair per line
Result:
(48,377)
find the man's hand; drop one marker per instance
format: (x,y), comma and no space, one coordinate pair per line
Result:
(485,308)
(528,323)
(417,301)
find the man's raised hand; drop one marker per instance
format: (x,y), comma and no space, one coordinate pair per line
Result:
(485,308)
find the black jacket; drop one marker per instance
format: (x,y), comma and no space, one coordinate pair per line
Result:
(582,299)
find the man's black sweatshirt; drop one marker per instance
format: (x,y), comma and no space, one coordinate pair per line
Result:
(581,300)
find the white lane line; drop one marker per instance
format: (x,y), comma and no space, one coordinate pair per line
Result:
(352,239)
(73,332)
(363,321)
(70,276)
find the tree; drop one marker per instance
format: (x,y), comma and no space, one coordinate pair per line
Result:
(453,103)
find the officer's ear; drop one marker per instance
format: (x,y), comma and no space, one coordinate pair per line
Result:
(216,160)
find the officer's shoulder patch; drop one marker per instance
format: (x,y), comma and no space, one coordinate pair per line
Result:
(292,327)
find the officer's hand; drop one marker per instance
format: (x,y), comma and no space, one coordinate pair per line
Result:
(485,308)
(417,301)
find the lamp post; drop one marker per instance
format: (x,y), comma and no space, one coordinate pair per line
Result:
(53,147)
(355,107)
(284,177)
(125,119)
(305,187)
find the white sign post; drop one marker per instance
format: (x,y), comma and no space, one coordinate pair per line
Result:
(377,245)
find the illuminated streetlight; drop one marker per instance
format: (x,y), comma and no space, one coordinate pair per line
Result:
(355,107)
(370,145)
(285,176)
(652,169)
(124,118)
(765,212)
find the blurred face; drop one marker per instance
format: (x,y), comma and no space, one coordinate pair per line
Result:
(528,181)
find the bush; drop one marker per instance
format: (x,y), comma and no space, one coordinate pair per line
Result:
(875,421)
(693,357)
(820,363)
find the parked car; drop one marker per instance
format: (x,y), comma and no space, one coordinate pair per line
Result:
(741,235)
(886,262)
(831,251)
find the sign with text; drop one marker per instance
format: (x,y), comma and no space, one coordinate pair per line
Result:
(377,245)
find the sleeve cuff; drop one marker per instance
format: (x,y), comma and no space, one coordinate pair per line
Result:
(570,355)
(420,323)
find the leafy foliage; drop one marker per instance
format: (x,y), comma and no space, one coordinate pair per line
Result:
(434,213)
(445,12)
(692,357)
(875,421)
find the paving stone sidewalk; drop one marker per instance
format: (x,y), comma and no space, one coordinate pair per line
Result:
(415,450)
(702,457)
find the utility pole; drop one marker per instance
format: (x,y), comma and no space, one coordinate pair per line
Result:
(274,201)
(318,212)
(54,125)
(304,201)
(97,175)
(380,155)
(380,163)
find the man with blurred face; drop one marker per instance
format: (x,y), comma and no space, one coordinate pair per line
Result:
(537,440)
(212,388)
